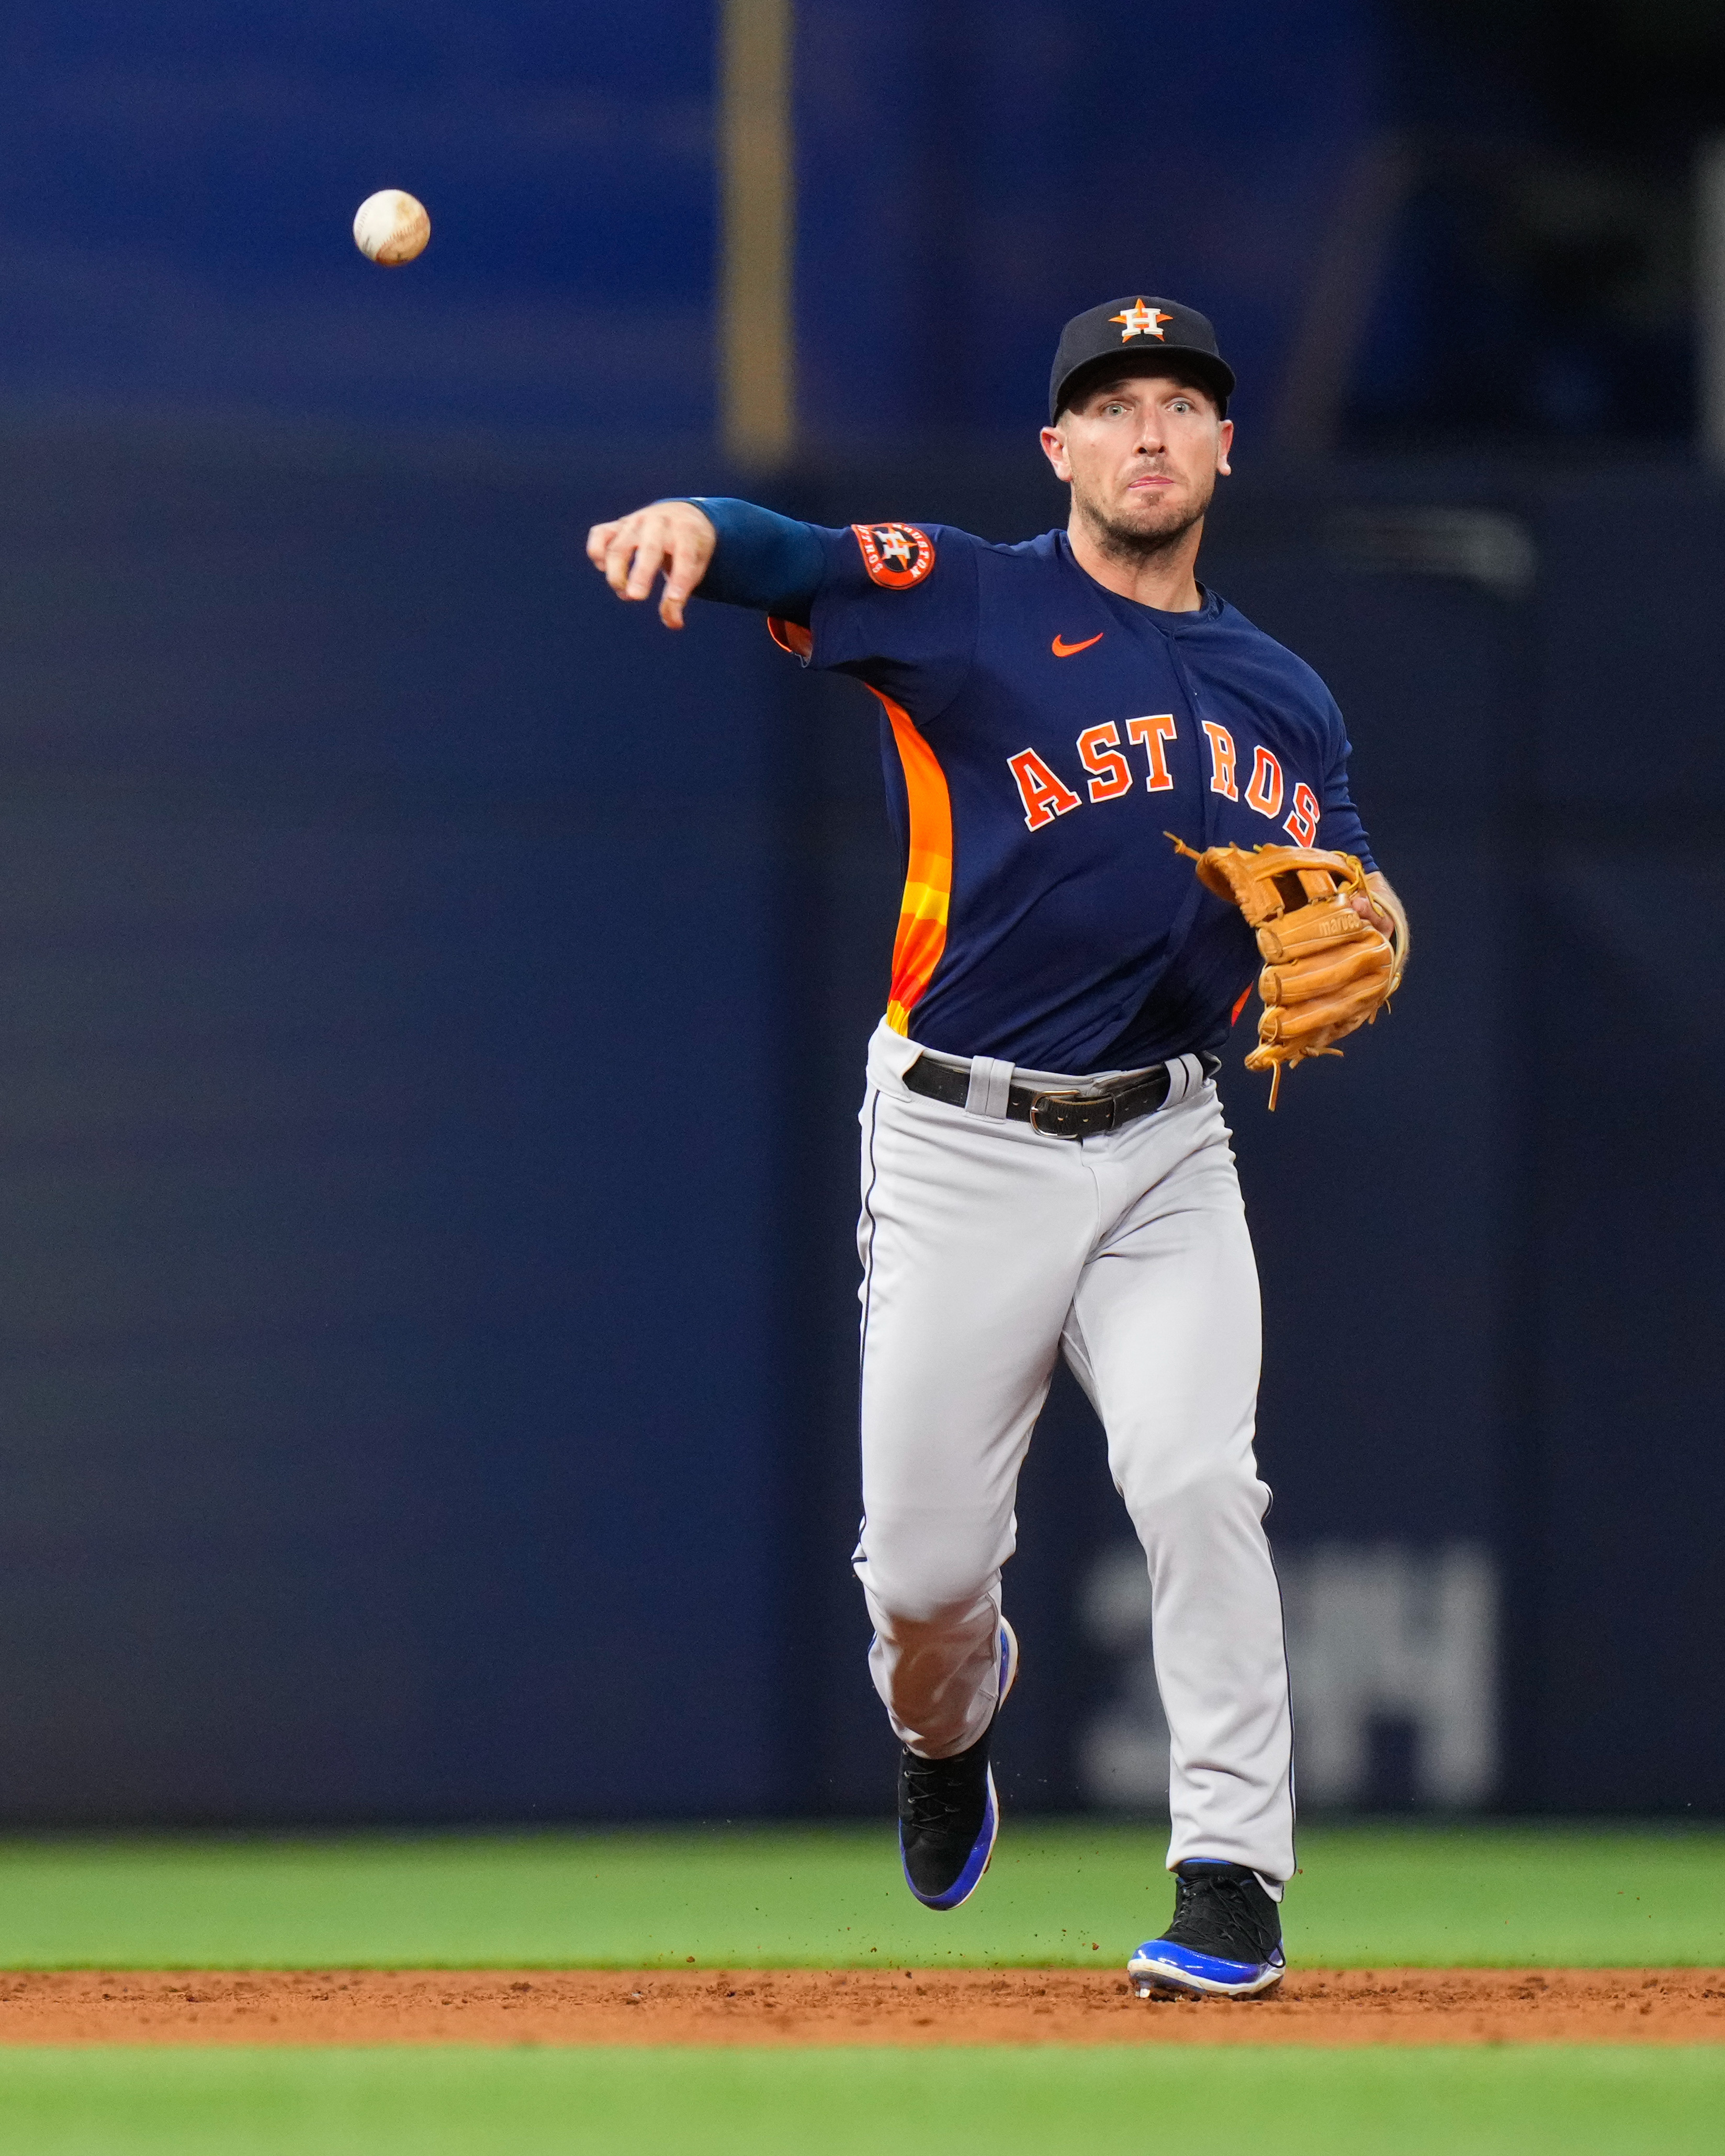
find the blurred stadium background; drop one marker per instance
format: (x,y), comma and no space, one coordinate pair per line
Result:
(432,999)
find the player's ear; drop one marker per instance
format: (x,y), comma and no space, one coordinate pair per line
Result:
(1225,442)
(1054,448)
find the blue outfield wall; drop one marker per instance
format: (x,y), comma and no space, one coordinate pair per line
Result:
(970,175)
(432,1007)
(386,1296)
(175,211)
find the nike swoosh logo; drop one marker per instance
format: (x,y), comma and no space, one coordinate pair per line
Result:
(1062,650)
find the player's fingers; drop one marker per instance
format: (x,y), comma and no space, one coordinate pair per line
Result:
(619,548)
(1368,910)
(677,590)
(650,559)
(597,540)
(631,558)
(686,568)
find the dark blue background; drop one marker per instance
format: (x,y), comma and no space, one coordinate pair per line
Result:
(180,178)
(431,998)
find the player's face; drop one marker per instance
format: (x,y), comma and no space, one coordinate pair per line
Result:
(1142,456)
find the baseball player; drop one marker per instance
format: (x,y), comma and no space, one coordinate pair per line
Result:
(1045,1166)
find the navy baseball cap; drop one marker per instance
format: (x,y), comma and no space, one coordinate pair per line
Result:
(1138,335)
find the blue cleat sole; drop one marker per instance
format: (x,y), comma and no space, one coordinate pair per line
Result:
(1160,1970)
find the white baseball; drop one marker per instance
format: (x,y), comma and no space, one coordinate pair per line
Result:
(391,228)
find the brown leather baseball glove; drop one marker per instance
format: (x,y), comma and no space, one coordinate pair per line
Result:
(1327,969)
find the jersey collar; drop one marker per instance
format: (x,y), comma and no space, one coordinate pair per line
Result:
(1208,607)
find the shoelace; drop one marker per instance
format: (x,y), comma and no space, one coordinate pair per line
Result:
(1231,1912)
(925,1805)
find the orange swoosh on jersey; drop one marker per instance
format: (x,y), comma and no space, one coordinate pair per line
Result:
(1062,650)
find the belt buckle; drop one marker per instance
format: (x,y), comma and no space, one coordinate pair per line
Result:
(1059,1101)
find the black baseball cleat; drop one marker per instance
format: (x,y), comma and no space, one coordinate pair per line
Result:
(948,1813)
(1224,1941)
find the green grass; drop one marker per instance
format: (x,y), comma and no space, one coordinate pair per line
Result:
(1533,2101)
(1082,1894)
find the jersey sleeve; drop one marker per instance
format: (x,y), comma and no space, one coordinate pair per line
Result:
(897,607)
(1339,827)
(760,559)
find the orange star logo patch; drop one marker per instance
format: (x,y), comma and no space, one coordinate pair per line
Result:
(894,554)
(1141,321)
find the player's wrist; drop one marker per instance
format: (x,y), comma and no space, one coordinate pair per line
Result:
(1384,898)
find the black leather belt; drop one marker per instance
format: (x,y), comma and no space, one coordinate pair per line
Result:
(1086,1115)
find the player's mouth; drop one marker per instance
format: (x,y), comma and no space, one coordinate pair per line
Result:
(1146,480)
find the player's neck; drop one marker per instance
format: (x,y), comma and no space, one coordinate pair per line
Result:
(1166,579)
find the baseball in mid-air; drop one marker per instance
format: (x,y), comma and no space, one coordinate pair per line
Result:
(391,228)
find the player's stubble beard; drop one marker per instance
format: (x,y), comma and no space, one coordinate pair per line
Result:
(1156,533)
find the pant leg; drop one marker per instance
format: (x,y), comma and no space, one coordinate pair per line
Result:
(973,1235)
(1164,1336)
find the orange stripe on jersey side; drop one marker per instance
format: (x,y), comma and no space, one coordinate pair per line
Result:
(928,876)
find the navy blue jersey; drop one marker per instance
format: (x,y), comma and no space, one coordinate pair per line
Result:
(1041,735)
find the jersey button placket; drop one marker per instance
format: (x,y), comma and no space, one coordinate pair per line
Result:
(1194,738)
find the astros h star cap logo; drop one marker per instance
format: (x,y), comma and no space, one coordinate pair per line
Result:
(1140,321)
(1137,334)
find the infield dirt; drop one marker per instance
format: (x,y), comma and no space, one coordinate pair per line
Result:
(887,2006)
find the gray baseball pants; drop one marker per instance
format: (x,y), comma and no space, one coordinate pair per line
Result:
(987,1250)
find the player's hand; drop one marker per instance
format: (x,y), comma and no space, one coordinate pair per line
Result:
(1385,913)
(1371,912)
(674,537)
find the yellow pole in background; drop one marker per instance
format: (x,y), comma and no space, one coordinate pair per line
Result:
(757,385)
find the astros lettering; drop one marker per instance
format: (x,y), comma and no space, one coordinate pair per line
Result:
(1045,795)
